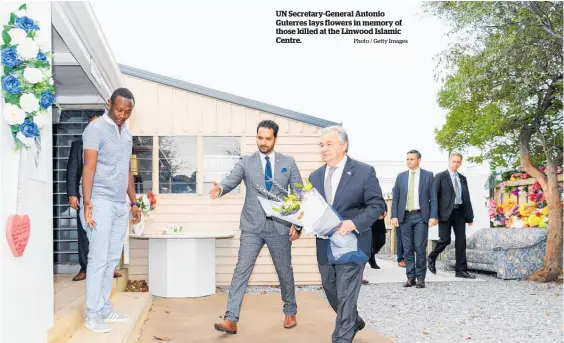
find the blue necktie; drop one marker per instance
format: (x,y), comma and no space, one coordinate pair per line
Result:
(268,174)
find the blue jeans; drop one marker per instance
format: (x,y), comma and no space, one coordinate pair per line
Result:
(399,244)
(104,252)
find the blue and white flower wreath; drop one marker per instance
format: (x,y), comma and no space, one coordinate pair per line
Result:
(27,83)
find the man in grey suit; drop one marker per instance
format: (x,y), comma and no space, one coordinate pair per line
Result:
(353,190)
(414,209)
(263,171)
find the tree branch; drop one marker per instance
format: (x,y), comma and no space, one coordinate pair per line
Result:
(524,139)
(545,24)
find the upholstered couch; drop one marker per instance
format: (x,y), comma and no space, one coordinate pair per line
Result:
(511,253)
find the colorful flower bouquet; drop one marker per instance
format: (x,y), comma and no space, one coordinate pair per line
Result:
(534,213)
(303,206)
(148,204)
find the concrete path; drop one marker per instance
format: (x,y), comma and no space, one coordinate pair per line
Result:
(390,272)
(191,320)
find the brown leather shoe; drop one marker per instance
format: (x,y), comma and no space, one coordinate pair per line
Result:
(117,274)
(290,321)
(79,277)
(402,264)
(227,326)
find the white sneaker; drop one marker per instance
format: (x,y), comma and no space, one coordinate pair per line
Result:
(96,324)
(115,316)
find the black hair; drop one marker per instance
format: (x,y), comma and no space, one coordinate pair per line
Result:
(123,92)
(91,114)
(414,152)
(269,124)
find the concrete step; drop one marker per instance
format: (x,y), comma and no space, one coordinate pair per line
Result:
(70,305)
(136,305)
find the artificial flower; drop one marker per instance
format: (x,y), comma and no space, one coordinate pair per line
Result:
(29,103)
(13,114)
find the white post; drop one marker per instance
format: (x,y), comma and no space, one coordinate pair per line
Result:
(26,282)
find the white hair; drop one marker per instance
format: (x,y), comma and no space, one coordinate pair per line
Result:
(343,136)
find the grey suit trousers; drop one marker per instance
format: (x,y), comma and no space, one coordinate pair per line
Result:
(341,284)
(250,246)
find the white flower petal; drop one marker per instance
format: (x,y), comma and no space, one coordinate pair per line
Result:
(33,75)
(17,35)
(28,49)
(29,103)
(13,114)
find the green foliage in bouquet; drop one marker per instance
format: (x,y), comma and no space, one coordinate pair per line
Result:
(292,202)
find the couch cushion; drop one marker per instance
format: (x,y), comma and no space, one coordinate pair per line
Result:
(476,256)
(519,238)
(483,239)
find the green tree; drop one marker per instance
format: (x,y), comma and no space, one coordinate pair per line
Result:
(502,87)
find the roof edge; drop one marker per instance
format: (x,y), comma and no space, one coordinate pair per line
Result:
(279,111)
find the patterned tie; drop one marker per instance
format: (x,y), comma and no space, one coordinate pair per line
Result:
(328,187)
(268,174)
(458,199)
(411,192)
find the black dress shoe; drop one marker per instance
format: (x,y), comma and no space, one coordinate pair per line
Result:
(431,265)
(373,264)
(465,275)
(420,284)
(409,283)
(359,326)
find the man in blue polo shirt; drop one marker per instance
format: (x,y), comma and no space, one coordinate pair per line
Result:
(106,179)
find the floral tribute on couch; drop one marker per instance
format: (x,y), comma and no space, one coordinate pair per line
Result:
(534,213)
(512,174)
(27,83)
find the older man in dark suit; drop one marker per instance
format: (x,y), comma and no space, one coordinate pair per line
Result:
(455,210)
(414,210)
(353,190)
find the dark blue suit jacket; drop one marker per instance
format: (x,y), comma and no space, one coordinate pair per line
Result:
(427,197)
(358,198)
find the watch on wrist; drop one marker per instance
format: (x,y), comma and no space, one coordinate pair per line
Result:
(135,203)
(298,228)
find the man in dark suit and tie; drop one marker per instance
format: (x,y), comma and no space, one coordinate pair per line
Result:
(414,209)
(74,173)
(455,210)
(353,190)
(264,170)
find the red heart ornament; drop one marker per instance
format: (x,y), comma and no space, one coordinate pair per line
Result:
(17,233)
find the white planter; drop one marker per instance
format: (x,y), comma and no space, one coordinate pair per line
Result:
(139,227)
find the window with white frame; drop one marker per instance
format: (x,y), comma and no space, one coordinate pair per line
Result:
(219,155)
(178,164)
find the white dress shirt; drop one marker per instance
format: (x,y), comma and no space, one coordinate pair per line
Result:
(336,177)
(416,178)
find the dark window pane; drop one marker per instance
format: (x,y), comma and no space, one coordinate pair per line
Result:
(142,162)
(69,128)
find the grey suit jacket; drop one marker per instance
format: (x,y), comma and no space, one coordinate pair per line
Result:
(249,169)
(427,198)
